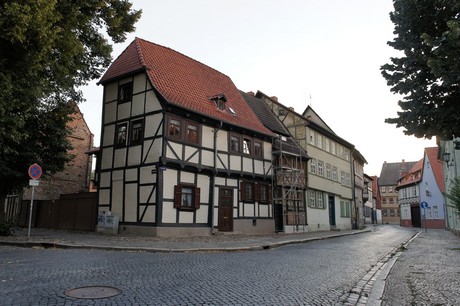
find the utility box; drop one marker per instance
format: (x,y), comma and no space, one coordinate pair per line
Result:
(107,223)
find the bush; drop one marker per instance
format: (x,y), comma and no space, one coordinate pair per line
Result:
(5,229)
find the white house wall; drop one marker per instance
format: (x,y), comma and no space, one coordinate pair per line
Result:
(127,176)
(137,180)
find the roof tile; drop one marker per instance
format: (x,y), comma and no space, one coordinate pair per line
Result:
(185,82)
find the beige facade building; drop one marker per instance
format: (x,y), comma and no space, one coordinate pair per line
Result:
(330,175)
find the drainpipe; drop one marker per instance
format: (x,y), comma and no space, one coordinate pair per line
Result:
(216,130)
(353,197)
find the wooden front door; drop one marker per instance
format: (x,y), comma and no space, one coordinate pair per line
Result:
(225,209)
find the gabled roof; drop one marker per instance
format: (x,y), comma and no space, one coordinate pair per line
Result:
(436,166)
(185,82)
(413,175)
(312,124)
(265,114)
(310,113)
(392,172)
(269,119)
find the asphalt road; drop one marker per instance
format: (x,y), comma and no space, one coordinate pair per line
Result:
(314,273)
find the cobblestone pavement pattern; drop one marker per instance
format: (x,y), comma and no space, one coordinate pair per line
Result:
(315,273)
(427,272)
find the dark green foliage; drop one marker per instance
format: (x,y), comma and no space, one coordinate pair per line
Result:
(454,194)
(47,50)
(427,73)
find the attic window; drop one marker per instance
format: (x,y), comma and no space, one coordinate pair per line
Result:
(220,100)
(232,111)
(125,92)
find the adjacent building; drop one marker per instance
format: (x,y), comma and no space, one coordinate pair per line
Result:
(290,163)
(421,193)
(360,192)
(449,153)
(330,199)
(76,176)
(376,201)
(387,182)
(369,201)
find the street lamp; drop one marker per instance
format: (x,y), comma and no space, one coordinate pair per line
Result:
(446,157)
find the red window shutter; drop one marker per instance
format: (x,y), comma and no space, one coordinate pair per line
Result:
(256,192)
(197,198)
(177,196)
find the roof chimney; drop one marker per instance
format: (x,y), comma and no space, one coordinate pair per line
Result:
(274,98)
(251,93)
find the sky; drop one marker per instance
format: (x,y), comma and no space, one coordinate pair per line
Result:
(326,54)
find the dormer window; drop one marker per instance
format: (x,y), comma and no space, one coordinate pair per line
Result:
(220,104)
(220,101)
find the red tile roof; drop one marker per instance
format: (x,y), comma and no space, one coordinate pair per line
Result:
(185,82)
(436,166)
(413,176)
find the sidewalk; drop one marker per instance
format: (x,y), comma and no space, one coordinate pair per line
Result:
(123,242)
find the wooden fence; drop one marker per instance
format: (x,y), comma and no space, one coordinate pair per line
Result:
(70,212)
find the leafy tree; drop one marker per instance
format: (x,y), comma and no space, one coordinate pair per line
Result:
(427,74)
(49,48)
(454,194)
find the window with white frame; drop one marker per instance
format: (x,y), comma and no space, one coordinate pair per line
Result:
(344,209)
(313,166)
(320,168)
(334,173)
(312,137)
(328,171)
(326,143)
(320,141)
(319,199)
(312,198)
(435,212)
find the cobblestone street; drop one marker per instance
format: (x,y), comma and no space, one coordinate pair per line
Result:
(427,272)
(389,265)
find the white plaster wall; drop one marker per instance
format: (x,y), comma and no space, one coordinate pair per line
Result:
(119,158)
(106,159)
(131,202)
(111,92)
(134,156)
(207,139)
(146,175)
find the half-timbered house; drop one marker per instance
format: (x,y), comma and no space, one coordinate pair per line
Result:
(181,151)
(290,163)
